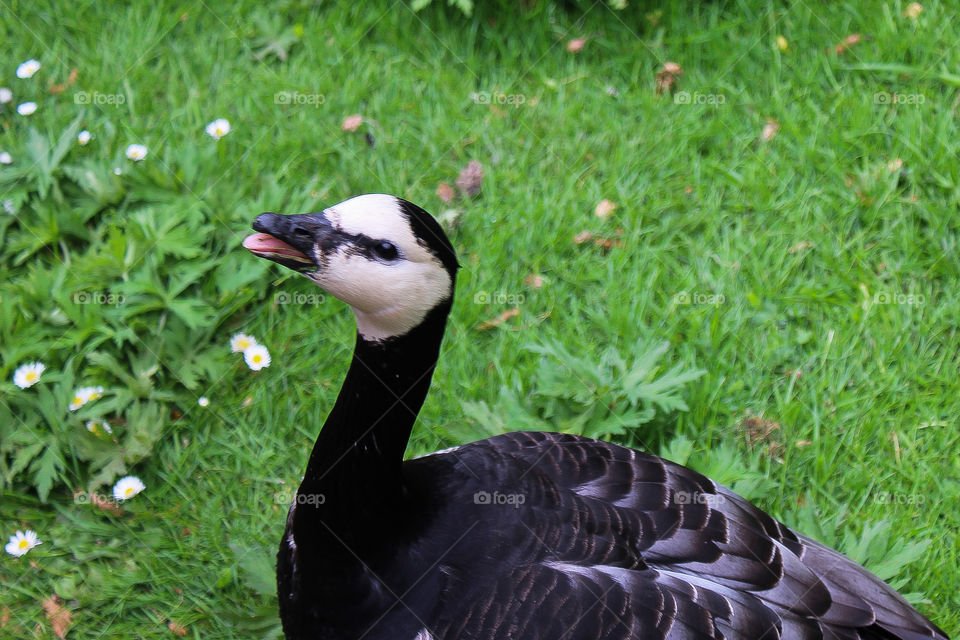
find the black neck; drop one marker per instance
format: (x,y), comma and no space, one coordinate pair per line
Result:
(354,472)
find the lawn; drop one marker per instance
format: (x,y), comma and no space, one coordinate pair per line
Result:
(786,219)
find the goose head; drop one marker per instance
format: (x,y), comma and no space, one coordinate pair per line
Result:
(385,257)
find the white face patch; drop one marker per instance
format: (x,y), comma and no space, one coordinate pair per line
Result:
(389,297)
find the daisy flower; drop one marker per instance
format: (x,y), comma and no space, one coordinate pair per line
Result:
(240,342)
(5,95)
(84,137)
(127,487)
(27,108)
(203,401)
(28,375)
(257,357)
(27,69)
(5,158)
(136,152)
(83,395)
(117,171)
(96,426)
(21,542)
(218,128)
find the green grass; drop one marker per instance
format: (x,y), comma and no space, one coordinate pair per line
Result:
(705,207)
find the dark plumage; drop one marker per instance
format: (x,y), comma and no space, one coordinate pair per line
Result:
(525,536)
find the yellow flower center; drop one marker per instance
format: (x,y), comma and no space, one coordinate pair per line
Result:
(257,358)
(128,492)
(77,400)
(32,376)
(23,543)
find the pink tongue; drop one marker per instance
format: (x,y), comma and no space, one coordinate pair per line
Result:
(266,243)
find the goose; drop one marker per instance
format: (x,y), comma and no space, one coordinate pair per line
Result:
(526,535)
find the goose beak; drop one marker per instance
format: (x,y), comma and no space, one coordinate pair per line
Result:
(288,240)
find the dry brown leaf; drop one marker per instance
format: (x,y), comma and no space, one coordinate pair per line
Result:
(849,41)
(246,402)
(761,432)
(604,209)
(800,246)
(582,237)
(757,429)
(576,45)
(104,504)
(471,178)
(804,443)
(667,77)
(770,130)
(499,320)
(58,616)
(688,189)
(895,165)
(913,10)
(352,123)
(534,281)
(604,242)
(60,88)
(4,617)
(445,192)
(177,628)
(608,243)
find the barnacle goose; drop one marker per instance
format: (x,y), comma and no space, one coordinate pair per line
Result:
(523,536)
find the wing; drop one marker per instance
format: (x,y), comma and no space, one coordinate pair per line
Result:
(609,542)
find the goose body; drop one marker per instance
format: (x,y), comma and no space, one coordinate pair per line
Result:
(527,535)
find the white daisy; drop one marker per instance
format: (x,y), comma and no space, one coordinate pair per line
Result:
(218,128)
(117,171)
(240,342)
(203,401)
(5,158)
(27,69)
(21,542)
(127,487)
(28,375)
(257,357)
(5,95)
(83,395)
(84,137)
(136,152)
(27,108)
(97,426)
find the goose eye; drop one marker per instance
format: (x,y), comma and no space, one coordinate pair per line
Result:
(385,250)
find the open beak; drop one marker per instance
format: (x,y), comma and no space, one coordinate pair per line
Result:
(288,240)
